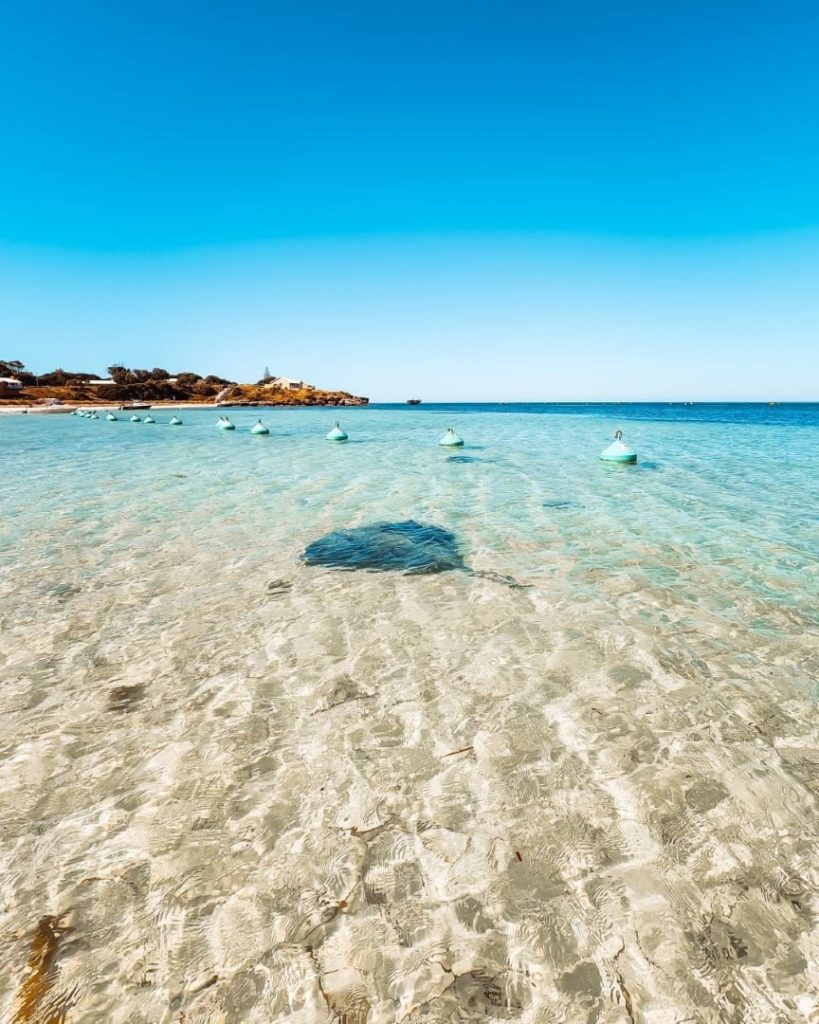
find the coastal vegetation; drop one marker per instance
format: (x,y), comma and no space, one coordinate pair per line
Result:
(157,385)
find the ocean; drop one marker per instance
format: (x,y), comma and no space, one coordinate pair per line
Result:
(571,776)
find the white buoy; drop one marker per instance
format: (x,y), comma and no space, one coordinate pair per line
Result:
(93,416)
(451,440)
(135,419)
(617,451)
(259,429)
(224,423)
(110,417)
(149,419)
(175,421)
(336,434)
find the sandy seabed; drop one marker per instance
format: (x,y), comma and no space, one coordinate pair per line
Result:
(234,788)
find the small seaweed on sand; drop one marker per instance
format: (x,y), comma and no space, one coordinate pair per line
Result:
(123,698)
(32,998)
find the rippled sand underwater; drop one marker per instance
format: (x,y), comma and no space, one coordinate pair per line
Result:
(236,787)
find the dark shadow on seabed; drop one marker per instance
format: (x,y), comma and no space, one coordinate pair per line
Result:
(407,547)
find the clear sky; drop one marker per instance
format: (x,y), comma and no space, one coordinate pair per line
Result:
(444,200)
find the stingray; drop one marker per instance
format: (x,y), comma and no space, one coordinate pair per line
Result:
(411,548)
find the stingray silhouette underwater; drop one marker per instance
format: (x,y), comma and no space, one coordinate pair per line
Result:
(407,547)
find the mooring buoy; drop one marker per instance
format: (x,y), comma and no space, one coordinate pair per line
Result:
(618,451)
(451,440)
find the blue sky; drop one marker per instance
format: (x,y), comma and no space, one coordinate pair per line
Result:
(493,200)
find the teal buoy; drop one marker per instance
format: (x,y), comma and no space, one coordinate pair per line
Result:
(617,451)
(175,421)
(111,417)
(336,434)
(149,419)
(451,440)
(135,419)
(93,416)
(259,429)
(224,423)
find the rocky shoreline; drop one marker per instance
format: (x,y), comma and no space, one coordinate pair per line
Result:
(161,392)
(253,395)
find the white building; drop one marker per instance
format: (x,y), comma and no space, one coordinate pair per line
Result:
(10,384)
(288,384)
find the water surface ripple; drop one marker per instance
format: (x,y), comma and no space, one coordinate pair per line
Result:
(238,787)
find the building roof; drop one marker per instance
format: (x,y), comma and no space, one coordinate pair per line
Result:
(278,382)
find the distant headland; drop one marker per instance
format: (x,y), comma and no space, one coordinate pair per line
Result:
(20,386)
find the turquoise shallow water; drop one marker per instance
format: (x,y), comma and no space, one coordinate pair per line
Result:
(252,789)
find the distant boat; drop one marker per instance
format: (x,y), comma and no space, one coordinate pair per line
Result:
(135,405)
(413,401)
(51,407)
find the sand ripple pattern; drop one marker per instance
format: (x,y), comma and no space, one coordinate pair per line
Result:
(234,788)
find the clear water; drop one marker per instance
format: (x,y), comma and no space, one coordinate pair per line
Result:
(234,787)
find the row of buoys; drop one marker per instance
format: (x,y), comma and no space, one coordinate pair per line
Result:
(174,421)
(618,451)
(260,430)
